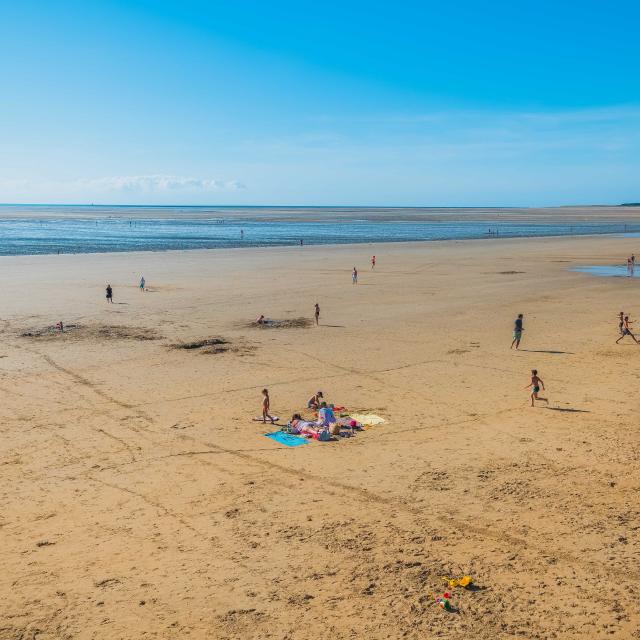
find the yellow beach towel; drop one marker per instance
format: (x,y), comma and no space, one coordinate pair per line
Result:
(367,419)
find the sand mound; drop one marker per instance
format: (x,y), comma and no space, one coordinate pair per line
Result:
(92,331)
(291,323)
(213,346)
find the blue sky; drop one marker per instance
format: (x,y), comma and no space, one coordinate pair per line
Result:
(355,103)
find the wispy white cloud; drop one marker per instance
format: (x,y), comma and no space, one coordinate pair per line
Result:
(159,183)
(616,113)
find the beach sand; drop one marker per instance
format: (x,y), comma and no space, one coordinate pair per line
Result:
(139,500)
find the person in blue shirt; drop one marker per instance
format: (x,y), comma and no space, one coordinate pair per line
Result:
(517,332)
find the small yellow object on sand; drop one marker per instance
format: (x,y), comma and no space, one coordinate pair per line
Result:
(465,581)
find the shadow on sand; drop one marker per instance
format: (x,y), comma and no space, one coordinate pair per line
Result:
(566,410)
(568,353)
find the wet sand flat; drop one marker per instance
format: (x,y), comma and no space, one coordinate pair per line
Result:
(139,500)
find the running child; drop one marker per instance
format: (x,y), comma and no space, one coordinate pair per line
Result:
(535,384)
(517,331)
(625,330)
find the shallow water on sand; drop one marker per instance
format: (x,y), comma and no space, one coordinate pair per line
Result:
(615,271)
(65,229)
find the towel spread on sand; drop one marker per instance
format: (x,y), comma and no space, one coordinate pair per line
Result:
(287,439)
(369,419)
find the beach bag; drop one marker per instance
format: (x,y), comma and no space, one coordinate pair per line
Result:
(324,435)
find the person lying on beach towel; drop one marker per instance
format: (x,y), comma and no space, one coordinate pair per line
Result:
(302,427)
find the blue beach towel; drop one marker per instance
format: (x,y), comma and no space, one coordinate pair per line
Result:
(286,438)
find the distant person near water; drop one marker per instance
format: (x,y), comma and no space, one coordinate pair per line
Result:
(625,330)
(109,294)
(266,403)
(373,262)
(301,242)
(317,313)
(142,283)
(517,332)
(535,384)
(354,276)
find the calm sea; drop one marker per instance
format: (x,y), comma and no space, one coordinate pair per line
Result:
(67,229)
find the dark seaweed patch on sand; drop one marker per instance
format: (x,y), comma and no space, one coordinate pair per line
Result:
(92,331)
(213,346)
(291,323)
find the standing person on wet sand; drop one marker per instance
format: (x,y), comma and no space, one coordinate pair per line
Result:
(354,276)
(625,330)
(143,282)
(373,262)
(517,331)
(109,294)
(317,314)
(535,383)
(265,407)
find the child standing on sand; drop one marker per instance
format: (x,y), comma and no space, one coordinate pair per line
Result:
(109,294)
(354,276)
(535,383)
(142,283)
(317,313)
(373,262)
(265,407)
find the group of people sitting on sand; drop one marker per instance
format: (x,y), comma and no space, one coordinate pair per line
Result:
(325,424)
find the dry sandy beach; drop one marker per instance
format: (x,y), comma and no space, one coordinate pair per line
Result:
(139,500)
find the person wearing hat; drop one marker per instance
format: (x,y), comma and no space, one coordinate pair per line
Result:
(315,400)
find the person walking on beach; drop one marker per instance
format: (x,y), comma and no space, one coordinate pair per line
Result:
(317,314)
(354,276)
(517,332)
(109,294)
(373,262)
(625,330)
(142,283)
(535,384)
(265,407)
